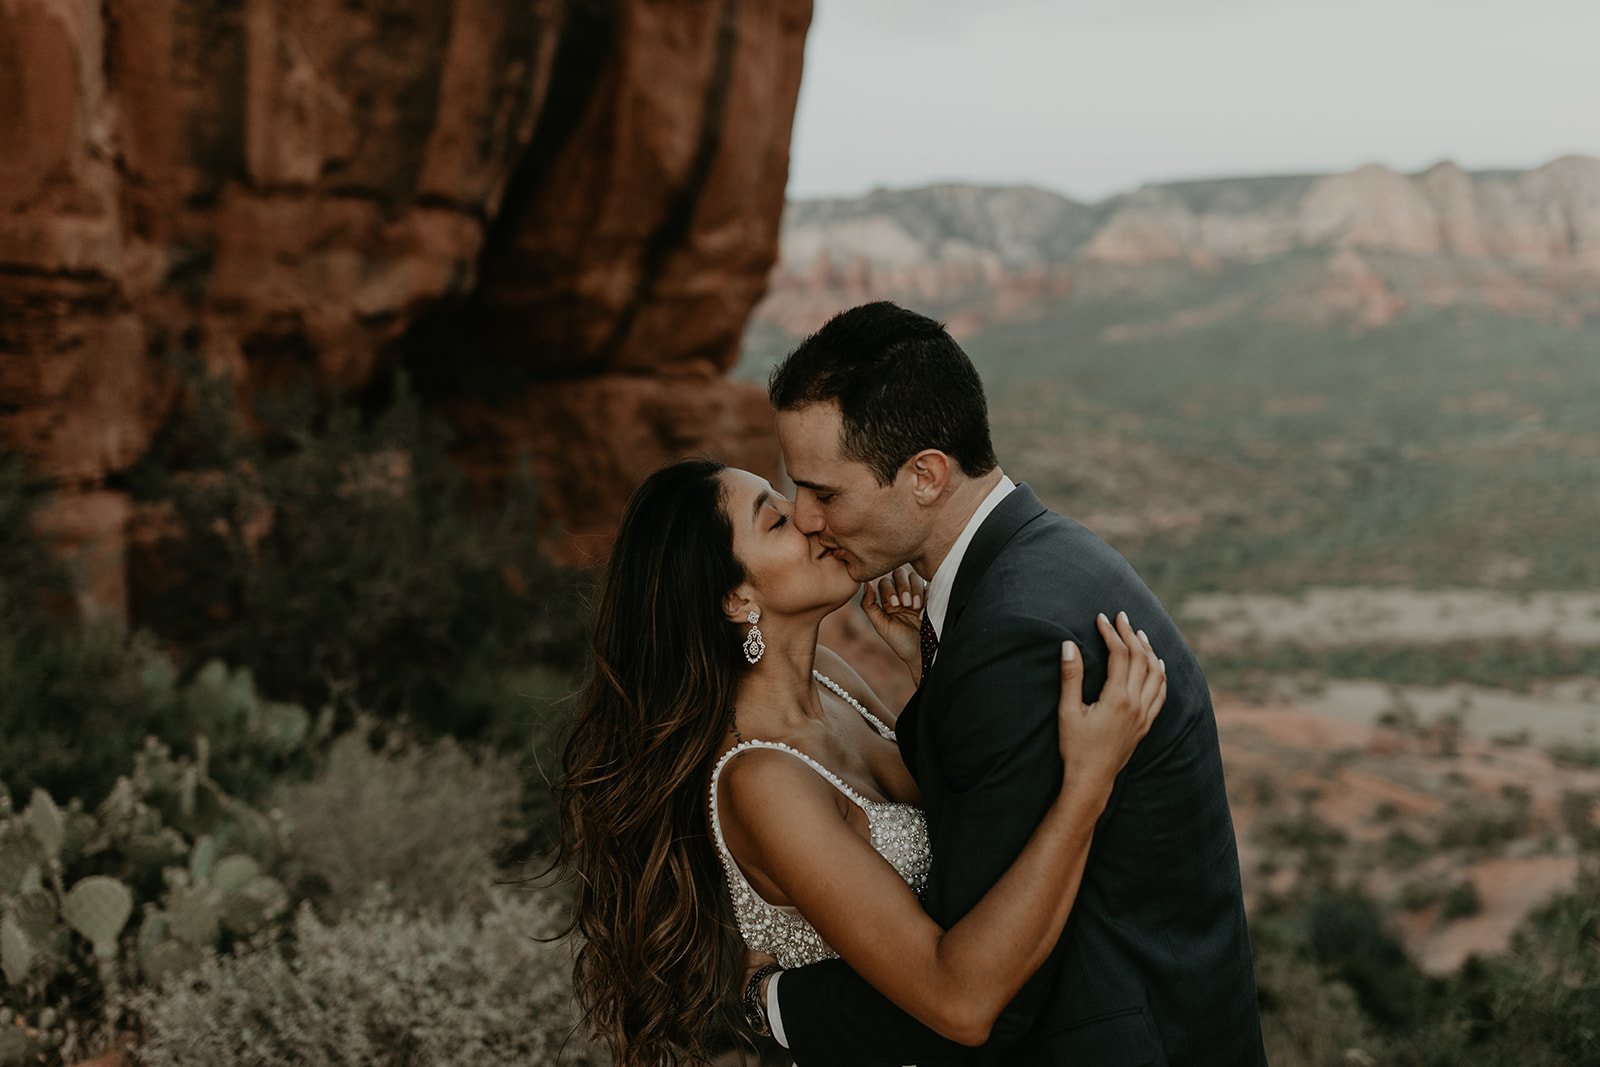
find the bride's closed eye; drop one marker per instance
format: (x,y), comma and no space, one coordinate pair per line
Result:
(782,518)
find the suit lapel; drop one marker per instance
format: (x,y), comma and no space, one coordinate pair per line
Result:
(1019,508)
(1013,513)
(905,733)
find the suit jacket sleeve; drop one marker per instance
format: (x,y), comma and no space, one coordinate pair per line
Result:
(996,740)
(833,1018)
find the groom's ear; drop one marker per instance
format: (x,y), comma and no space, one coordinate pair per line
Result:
(929,471)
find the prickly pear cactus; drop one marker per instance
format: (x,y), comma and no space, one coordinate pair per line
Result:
(167,824)
(49,826)
(16,953)
(254,905)
(202,858)
(33,944)
(18,1047)
(194,914)
(233,872)
(284,727)
(162,955)
(98,908)
(20,853)
(153,852)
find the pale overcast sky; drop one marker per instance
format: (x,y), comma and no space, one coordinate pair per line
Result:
(1093,97)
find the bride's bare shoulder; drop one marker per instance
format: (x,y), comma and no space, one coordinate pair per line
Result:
(763,792)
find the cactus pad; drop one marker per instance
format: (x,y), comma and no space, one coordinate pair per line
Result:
(195,915)
(17,1046)
(255,904)
(284,727)
(19,853)
(36,916)
(98,908)
(46,822)
(232,872)
(202,857)
(16,951)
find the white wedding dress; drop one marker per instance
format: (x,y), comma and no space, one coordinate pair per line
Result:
(899,834)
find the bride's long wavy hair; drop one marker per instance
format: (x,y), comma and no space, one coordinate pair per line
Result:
(658,954)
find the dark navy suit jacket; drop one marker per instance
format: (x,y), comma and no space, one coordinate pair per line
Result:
(1154,966)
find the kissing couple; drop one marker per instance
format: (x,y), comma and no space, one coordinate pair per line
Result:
(1001,873)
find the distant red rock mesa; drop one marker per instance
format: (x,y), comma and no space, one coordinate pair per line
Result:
(1517,242)
(581,195)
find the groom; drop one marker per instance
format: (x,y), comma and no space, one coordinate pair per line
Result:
(885,433)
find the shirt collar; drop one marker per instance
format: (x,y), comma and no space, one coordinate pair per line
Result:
(944,579)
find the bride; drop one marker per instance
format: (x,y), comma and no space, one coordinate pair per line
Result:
(728,778)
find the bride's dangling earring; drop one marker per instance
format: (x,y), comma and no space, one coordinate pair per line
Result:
(754,646)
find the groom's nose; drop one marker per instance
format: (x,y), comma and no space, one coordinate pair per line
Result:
(807,513)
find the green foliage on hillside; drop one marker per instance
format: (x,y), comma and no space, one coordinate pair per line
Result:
(1337,989)
(339,556)
(1230,448)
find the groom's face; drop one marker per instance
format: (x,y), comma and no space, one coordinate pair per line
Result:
(872,528)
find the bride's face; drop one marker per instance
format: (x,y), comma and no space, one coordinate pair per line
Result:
(787,572)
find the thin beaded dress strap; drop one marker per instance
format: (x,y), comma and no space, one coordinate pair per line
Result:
(884,731)
(716,775)
(839,783)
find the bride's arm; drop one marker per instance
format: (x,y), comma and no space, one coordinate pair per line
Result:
(956,981)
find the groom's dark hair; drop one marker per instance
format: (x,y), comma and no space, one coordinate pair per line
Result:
(902,384)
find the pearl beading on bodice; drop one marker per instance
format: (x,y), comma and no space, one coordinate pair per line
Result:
(899,835)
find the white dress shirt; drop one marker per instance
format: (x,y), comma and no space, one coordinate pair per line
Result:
(936,601)
(937,596)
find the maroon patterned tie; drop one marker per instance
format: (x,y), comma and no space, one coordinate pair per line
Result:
(930,644)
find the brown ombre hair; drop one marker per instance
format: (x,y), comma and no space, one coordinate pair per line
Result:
(659,953)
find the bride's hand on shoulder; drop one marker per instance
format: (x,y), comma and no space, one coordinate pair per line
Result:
(1097,740)
(893,605)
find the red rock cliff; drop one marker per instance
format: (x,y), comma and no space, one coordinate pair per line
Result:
(580,195)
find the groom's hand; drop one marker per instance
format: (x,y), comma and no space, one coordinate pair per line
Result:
(893,605)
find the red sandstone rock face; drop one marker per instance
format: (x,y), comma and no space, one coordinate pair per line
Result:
(282,187)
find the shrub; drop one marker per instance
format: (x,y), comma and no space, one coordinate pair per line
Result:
(1484,825)
(70,703)
(1307,1020)
(424,819)
(382,986)
(1461,901)
(338,555)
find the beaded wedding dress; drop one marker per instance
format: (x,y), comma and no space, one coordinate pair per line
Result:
(899,834)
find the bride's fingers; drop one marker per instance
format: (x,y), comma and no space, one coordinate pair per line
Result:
(1137,665)
(1152,682)
(1117,662)
(1071,678)
(1154,707)
(1153,662)
(910,586)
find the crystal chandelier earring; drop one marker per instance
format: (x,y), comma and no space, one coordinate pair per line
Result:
(754,646)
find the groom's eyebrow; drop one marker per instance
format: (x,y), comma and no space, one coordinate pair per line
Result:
(813,486)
